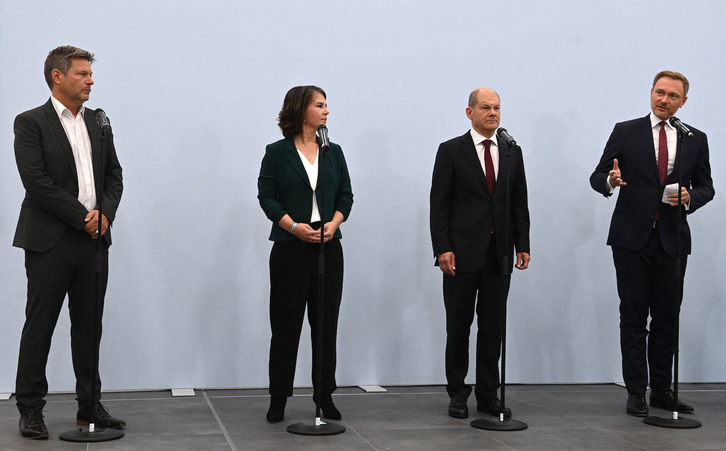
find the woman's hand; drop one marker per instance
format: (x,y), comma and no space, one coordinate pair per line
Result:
(306,233)
(330,228)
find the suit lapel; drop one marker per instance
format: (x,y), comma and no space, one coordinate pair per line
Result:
(294,159)
(94,134)
(680,147)
(649,147)
(468,151)
(55,124)
(503,171)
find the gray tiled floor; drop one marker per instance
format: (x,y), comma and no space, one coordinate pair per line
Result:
(560,417)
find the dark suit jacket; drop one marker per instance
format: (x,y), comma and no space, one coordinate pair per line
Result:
(48,172)
(284,188)
(463,211)
(632,144)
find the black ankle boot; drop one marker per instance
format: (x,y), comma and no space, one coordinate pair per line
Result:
(276,412)
(329,410)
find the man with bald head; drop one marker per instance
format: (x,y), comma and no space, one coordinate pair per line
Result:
(474,236)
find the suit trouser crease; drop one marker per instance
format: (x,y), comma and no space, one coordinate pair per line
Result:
(646,281)
(293,288)
(67,268)
(484,292)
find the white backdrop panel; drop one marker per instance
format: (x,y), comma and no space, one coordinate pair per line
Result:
(193,90)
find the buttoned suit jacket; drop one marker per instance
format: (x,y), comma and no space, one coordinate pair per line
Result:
(463,212)
(47,169)
(639,201)
(284,187)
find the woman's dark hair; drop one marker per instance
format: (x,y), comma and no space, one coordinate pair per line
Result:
(292,113)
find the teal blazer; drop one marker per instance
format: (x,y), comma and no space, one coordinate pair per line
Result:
(283,187)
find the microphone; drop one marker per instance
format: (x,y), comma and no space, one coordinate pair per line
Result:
(683,128)
(502,133)
(323,140)
(102,120)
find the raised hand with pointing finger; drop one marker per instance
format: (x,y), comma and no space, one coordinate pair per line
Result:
(615,175)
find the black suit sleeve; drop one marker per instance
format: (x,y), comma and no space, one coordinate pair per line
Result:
(44,172)
(440,199)
(701,189)
(613,150)
(112,181)
(520,209)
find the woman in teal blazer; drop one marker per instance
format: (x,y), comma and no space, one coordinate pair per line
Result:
(289,193)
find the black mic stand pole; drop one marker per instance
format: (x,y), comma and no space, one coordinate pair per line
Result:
(676,422)
(320,427)
(504,424)
(91,433)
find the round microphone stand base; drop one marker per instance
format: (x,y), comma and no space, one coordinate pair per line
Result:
(321,428)
(506,424)
(673,423)
(98,435)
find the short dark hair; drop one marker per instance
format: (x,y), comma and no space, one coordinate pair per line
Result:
(61,58)
(676,76)
(291,115)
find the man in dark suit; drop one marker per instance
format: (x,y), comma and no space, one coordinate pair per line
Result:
(644,157)
(62,164)
(473,241)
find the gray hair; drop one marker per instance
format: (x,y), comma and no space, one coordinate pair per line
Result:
(61,58)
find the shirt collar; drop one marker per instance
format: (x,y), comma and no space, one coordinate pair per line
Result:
(655,120)
(60,108)
(479,138)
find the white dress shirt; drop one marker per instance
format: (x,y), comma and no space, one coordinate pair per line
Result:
(312,171)
(671,138)
(77,133)
(493,150)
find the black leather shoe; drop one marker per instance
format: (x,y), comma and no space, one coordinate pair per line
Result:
(493,406)
(328,408)
(101,418)
(458,407)
(665,400)
(32,425)
(276,412)
(636,406)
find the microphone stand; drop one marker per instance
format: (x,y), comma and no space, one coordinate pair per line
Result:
(91,433)
(504,424)
(676,422)
(319,427)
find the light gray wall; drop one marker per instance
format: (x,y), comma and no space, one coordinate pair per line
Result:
(193,90)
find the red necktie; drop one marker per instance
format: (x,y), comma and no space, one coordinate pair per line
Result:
(489,166)
(662,153)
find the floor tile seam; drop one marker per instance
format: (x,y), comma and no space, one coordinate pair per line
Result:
(464,424)
(487,434)
(191,398)
(110,401)
(355,431)
(219,423)
(619,436)
(335,395)
(393,387)
(443,392)
(284,432)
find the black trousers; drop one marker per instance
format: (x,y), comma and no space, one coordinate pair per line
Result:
(646,286)
(485,292)
(68,268)
(293,287)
